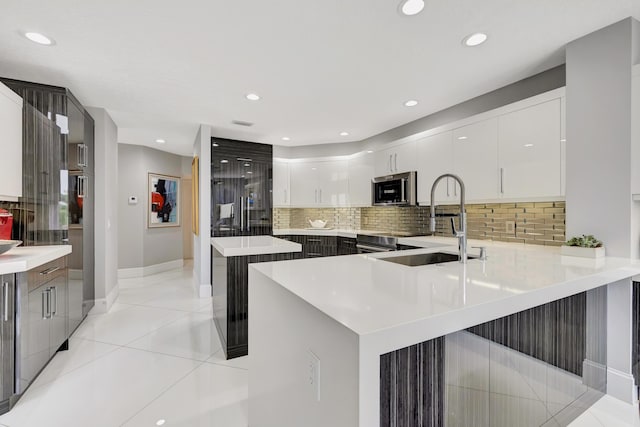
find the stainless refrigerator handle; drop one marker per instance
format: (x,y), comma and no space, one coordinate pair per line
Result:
(5,288)
(55,301)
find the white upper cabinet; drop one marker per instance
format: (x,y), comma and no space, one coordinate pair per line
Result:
(529,151)
(475,158)
(11,143)
(397,159)
(281,191)
(319,183)
(360,175)
(434,158)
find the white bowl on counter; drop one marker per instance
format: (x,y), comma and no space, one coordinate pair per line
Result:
(7,245)
(318,223)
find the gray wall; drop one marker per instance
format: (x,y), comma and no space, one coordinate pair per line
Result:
(202,242)
(139,246)
(598,130)
(106,209)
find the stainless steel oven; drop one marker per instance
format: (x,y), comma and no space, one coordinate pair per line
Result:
(394,190)
(367,244)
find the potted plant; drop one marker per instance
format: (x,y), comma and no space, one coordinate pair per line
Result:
(585,246)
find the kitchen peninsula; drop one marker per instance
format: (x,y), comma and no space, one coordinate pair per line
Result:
(360,341)
(230,259)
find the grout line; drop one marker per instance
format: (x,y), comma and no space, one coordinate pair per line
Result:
(162,393)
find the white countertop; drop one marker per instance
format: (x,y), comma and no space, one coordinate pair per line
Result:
(22,259)
(253,245)
(376,298)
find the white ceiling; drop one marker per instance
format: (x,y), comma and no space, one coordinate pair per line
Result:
(322,67)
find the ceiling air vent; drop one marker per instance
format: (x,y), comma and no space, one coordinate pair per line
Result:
(242,123)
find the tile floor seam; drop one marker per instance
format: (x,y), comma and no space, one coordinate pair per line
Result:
(156,329)
(485,391)
(162,393)
(171,355)
(31,386)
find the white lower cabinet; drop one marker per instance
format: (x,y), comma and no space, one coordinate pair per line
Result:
(319,183)
(529,152)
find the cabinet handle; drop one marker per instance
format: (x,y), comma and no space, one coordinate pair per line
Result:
(316,196)
(395,162)
(49,271)
(82,186)
(320,192)
(314,240)
(447,187)
(82,155)
(241,213)
(501,180)
(86,155)
(44,303)
(79,155)
(55,300)
(390,167)
(5,289)
(285,196)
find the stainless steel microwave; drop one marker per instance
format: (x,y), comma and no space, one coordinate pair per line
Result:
(394,190)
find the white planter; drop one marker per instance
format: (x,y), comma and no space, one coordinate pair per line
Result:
(582,252)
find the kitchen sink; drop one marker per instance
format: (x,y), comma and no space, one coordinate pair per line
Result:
(424,259)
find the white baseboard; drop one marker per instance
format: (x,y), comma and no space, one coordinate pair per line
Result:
(204,289)
(594,374)
(621,386)
(103,305)
(130,273)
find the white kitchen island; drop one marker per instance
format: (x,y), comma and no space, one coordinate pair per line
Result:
(346,312)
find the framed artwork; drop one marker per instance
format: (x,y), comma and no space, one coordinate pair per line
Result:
(164,194)
(195,194)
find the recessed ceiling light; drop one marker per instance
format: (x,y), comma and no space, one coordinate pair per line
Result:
(411,103)
(249,172)
(246,165)
(160,422)
(39,38)
(474,39)
(563,140)
(344,133)
(286,138)
(462,137)
(215,145)
(411,7)
(224,161)
(160,141)
(528,145)
(369,151)
(253,97)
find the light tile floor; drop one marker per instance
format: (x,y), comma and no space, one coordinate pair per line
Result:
(155,359)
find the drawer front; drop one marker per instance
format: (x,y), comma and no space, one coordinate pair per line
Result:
(47,272)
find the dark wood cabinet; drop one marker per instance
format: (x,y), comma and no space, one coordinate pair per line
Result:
(346,246)
(314,246)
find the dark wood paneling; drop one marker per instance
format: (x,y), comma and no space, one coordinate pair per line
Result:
(237,292)
(554,333)
(346,246)
(412,386)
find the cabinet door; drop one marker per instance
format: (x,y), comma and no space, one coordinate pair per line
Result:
(529,151)
(36,352)
(360,175)
(11,143)
(475,158)
(7,335)
(397,159)
(281,193)
(333,179)
(304,183)
(434,158)
(59,321)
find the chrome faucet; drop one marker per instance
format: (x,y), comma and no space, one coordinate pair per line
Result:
(461,234)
